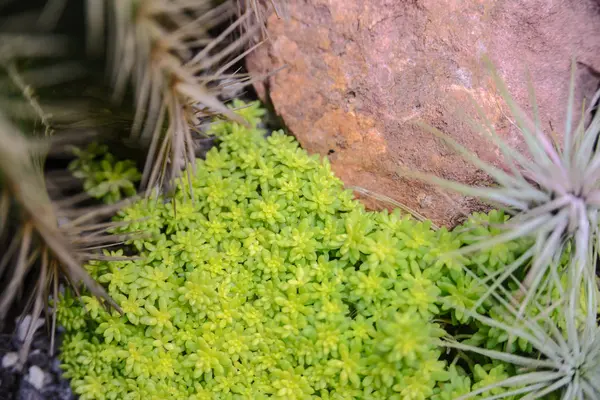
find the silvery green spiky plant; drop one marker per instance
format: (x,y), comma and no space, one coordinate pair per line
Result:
(566,361)
(177,69)
(552,192)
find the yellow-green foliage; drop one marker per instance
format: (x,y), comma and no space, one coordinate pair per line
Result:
(274,282)
(104,177)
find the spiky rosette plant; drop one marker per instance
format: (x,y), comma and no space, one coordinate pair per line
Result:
(177,68)
(46,235)
(565,363)
(552,191)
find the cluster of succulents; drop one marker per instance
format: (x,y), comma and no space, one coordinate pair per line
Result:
(103,176)
(175,62)
(262,277)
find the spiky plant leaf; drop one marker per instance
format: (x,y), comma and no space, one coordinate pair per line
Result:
(40,240)
(15,46)
(259,9)
(33,63)
(552,192)
(165,50)
(566,362)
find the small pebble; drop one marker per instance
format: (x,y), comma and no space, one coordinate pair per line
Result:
(6,343)
(39,358)
(41,342)
(59,391)
(28,392)
(55,367)
(10,360)
(36,377)
(62,221)
(9,385)
(24,326)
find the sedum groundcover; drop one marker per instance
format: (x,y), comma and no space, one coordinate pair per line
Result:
(266,279)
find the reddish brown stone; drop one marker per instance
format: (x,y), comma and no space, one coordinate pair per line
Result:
(361,72)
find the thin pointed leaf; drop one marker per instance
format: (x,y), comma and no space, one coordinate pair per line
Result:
(568,133)
(201,95)
(20,270)
(507,197)
(500,176)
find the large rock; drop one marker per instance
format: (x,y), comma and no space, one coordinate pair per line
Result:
(360,72)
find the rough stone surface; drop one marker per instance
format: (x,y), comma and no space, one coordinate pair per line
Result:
(361,72)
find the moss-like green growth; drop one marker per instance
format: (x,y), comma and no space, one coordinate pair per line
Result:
(274,282)
(103,176)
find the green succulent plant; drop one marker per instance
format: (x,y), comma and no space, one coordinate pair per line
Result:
(104,177)
(275,283)
(162,53)
(177,69)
